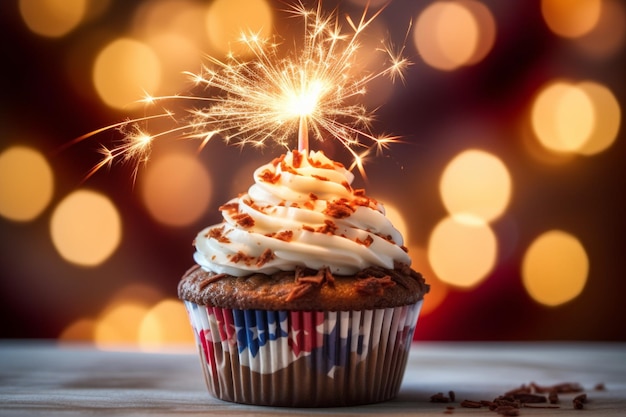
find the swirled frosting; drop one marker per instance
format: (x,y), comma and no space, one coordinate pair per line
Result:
(300,212)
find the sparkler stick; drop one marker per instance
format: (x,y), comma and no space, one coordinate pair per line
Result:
(270,97)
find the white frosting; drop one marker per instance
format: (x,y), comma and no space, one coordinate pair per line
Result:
(288,218)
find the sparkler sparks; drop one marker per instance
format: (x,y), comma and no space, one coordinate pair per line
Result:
(314,89)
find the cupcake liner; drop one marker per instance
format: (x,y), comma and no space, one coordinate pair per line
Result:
(303,358)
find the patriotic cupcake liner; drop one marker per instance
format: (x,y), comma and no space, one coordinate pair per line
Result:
(303,358)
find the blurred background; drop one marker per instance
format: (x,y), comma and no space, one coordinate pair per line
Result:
(508,183)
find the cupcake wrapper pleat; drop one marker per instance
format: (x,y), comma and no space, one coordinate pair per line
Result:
(303,358)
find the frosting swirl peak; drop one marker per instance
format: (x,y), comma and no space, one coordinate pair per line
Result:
(300,212)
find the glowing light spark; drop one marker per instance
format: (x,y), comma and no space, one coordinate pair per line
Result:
(314,89)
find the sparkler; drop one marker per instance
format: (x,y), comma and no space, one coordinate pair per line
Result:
(268,98)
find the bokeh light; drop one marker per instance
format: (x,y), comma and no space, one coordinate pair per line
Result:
(124,71)
(163,326)
(81,330)
(118,325)
(451,34)
(607,118)
(476,183)
(176,189)
(562,117)
(462,253)
(608,36)
(52,18)
(571,18)
(175,31)
(26,183)
(555,268)
(86,228)
(575,118)
(226,20)
(438,289)
(397,219)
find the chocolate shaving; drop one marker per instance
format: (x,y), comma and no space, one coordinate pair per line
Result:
(471,404)
(579,401)
(240,256)
(207,281)
(329,228)
(278,160)
(296,158)
(452,395)
(307,280)
(553,397)
(373,285)
(229,207)
(439,398)
(287,168)
(244,220)
(523,397)
(507,410)
(339,209)
(320,164)
(298,291)
(367,242)
(218,234)
(269,176)
(265,257)
(319,177)
(284,235)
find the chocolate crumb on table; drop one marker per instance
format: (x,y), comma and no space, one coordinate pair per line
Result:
(579,401)
(526,396)
(452,395)
(439,398)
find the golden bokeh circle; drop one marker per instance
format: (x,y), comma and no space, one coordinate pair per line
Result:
(555,268)
(86,228)
(26,183)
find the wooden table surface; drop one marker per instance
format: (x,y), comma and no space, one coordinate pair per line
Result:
(43,378)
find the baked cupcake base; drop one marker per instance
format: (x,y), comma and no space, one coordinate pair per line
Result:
(303,358)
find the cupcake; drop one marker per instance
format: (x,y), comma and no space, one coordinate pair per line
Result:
(304,295)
